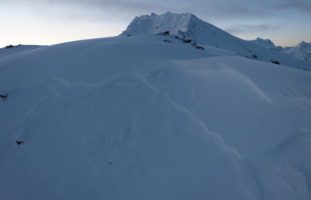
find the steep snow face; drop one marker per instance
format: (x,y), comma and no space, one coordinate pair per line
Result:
(185,25)
(301,51)
(155,24)
(143,118)
(189,28)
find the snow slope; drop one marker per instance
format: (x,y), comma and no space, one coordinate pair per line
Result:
(151,117)
(189,27)
(9,50)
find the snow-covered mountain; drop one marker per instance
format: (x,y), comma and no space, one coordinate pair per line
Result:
(301,51)
(194,30)
(266,43)
(152,116)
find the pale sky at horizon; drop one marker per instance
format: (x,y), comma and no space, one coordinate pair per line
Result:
(44,22)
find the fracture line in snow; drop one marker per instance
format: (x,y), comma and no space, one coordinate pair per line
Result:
(215,137)
(219,141)
(32,111)
(233,153)
(143,79)
(19,128)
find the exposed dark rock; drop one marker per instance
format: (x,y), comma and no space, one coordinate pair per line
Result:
(197,46)
(200,48)
(9,46)
(275,62)
(3,96)
(19,142)
(164,33)
(254,56)
(187,40)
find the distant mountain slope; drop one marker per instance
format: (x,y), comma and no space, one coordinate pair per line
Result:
(188,27)
(301,51)
(266,43)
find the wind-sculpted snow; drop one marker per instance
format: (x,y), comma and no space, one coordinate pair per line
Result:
(140,118)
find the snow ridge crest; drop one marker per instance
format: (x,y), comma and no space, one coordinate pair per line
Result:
(175,24)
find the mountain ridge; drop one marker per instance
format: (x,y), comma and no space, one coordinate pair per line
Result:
(190,28)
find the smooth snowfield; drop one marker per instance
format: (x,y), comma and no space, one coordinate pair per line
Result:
(140,118)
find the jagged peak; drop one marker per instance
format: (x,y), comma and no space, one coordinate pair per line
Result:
(263,42)
(303,44)
(155,24)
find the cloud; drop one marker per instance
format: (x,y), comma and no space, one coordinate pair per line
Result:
(243,17)
(303,6)
(219,9)
(250,28)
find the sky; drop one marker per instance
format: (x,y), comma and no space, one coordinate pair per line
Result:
(45,22)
